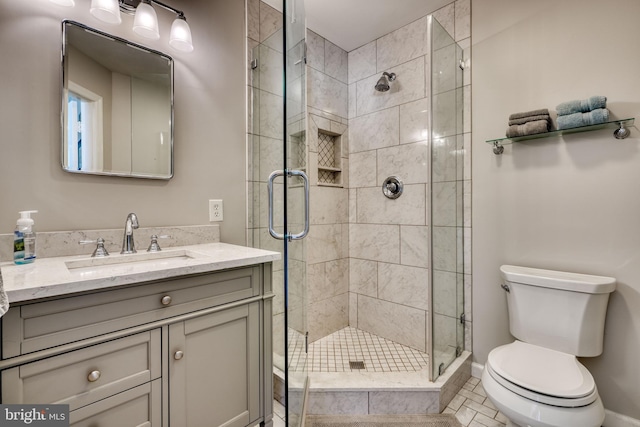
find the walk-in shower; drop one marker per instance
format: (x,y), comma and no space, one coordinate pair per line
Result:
(379,283)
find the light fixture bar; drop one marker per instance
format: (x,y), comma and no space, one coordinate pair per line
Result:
(172,9)
(145,21)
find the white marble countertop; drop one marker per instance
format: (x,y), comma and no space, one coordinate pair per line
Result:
(48,277)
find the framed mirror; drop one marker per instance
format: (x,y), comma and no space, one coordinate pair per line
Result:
(117,106)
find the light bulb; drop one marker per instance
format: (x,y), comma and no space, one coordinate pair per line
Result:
(106,10)
(145,23)
(180,37)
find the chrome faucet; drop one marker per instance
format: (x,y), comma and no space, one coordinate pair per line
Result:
(128,245)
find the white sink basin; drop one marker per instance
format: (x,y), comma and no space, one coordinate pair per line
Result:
(166,258)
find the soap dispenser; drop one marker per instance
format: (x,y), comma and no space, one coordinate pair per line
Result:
(24,239)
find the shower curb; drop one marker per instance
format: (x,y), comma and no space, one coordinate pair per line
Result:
(362,393)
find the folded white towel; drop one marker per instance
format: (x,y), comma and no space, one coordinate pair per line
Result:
(4,301)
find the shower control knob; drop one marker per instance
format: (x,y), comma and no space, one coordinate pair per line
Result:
(392,187)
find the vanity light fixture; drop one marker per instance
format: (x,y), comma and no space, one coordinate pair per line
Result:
(145,21)
(106,10)
(180,37)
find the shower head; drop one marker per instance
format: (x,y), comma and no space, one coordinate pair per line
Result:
(383,82)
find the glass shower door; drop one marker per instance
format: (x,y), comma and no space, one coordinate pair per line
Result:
(278,203)
(447,209)
(296,216)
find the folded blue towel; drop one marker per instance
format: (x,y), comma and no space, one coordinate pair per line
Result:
(581,106)
(600,115)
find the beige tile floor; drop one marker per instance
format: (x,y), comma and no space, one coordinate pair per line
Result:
(471,406)
(278,414)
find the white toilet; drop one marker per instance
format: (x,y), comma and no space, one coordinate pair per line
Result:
(555,316)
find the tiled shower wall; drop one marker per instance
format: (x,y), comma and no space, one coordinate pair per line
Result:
(388,239)
(327,245)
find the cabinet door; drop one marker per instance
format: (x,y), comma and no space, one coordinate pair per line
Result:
(214,369)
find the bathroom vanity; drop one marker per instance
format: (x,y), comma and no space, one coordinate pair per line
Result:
(179,339)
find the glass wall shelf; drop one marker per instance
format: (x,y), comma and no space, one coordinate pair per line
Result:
(620,126)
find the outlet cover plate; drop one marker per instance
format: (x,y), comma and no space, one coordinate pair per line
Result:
(215,210)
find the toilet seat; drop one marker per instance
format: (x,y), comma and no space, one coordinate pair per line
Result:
(542,375)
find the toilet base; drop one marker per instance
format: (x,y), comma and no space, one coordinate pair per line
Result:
(527,413)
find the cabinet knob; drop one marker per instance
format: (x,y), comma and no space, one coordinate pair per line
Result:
(178,355)
(166,300)
(93,376)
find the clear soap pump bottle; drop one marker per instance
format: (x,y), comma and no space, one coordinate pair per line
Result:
(24,239)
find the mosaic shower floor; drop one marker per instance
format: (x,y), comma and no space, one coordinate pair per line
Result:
(334,353)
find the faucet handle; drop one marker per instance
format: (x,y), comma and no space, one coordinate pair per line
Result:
(100,250)
(154,246)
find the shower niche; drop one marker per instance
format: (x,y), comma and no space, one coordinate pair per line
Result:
(328,153)
(329,159)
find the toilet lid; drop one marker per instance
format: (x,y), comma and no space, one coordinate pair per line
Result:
(542,370)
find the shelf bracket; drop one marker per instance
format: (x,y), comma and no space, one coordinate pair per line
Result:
(622,132)
(497,148)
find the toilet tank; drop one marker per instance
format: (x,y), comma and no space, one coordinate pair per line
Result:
(557,310)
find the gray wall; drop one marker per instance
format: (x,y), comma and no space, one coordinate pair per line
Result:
(209,124)
(570,203)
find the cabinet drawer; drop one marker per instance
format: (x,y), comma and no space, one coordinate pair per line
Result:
(87,375)
(138,407)
(32,327)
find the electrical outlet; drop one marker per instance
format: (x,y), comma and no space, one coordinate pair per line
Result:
(215,210)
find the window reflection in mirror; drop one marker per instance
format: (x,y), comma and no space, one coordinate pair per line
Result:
(117,110)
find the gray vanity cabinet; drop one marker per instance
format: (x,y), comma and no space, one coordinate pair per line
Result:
(185,352)
(214,369)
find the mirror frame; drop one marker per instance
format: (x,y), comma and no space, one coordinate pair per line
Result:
(63,111)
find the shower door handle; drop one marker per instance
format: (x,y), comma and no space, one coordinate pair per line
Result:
(305,179)
(272,178)
(288,173)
